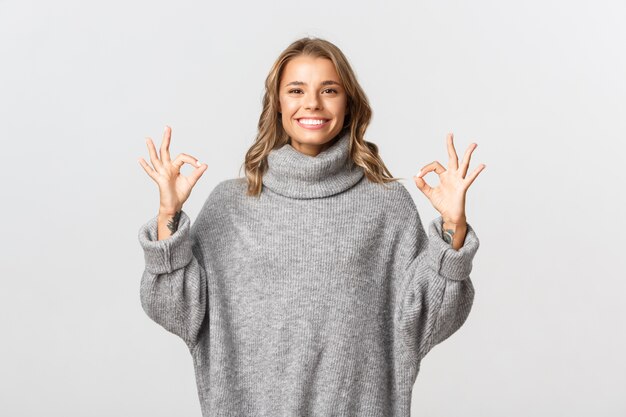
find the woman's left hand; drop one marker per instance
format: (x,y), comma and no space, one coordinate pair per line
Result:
(449,196)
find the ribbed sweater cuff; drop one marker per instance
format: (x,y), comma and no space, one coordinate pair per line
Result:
(167,255)
(448,262)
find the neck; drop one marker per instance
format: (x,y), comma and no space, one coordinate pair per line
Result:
(297,175)
(311,149)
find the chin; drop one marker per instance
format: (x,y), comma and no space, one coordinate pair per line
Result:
(312,137)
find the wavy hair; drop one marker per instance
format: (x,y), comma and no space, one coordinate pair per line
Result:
(271,134)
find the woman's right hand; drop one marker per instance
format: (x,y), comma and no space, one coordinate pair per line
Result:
(174,188)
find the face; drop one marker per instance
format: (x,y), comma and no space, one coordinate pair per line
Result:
(311,93)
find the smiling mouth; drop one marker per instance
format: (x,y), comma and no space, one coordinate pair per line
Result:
(312,124)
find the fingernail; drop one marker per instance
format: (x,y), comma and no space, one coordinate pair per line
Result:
(418,173)
(198,163)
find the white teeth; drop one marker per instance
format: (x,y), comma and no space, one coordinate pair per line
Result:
(312,122)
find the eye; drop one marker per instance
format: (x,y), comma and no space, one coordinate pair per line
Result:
(293,90)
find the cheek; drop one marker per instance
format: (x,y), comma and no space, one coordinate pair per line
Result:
(337,106)
(290,105)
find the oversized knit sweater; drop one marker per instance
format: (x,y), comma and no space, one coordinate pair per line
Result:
(318,298)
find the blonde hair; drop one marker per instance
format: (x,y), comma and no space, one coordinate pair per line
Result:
(271,134)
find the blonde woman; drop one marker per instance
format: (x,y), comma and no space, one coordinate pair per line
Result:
(309,287)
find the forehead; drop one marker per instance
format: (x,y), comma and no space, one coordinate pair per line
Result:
(310,70)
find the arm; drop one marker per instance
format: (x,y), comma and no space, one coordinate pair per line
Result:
(167,224)
(173,287)
(436,292)
(454,233)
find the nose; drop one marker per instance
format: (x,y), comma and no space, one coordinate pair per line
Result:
(312,102)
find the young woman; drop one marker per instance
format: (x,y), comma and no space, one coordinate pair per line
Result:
(310,287)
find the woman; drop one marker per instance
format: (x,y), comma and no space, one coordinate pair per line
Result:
(310,287)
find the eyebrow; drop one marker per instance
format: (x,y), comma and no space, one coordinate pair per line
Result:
(327,82)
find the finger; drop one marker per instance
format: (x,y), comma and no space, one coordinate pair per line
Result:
(153,155)
(454,159)
(470,179)
(433,166)
(183,159)
(196,174)
(423,186)
(164,152)
(466,159)
(147,168)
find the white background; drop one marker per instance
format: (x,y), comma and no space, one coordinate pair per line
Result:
(538,85)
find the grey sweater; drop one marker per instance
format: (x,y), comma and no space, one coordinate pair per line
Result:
(319,298)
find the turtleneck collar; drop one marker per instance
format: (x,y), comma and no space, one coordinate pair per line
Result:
(297,175)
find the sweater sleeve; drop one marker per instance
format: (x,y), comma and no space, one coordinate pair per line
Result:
(436,293)
(173,288)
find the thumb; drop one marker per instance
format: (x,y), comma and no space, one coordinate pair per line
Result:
(196,174)
(421,184)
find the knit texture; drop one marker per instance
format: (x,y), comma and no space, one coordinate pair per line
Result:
(318,298)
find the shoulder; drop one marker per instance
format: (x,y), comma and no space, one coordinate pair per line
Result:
(406,221)
(394,197)
(223,195)
(399,193)
(228,188)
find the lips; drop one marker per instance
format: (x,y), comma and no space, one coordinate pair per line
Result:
(312,126)
(312,118)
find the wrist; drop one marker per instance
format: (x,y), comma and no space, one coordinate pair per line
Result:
(460,221)
(169,213)
(454,233)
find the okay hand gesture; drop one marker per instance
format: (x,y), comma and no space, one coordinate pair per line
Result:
(174,188)
(448,197)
